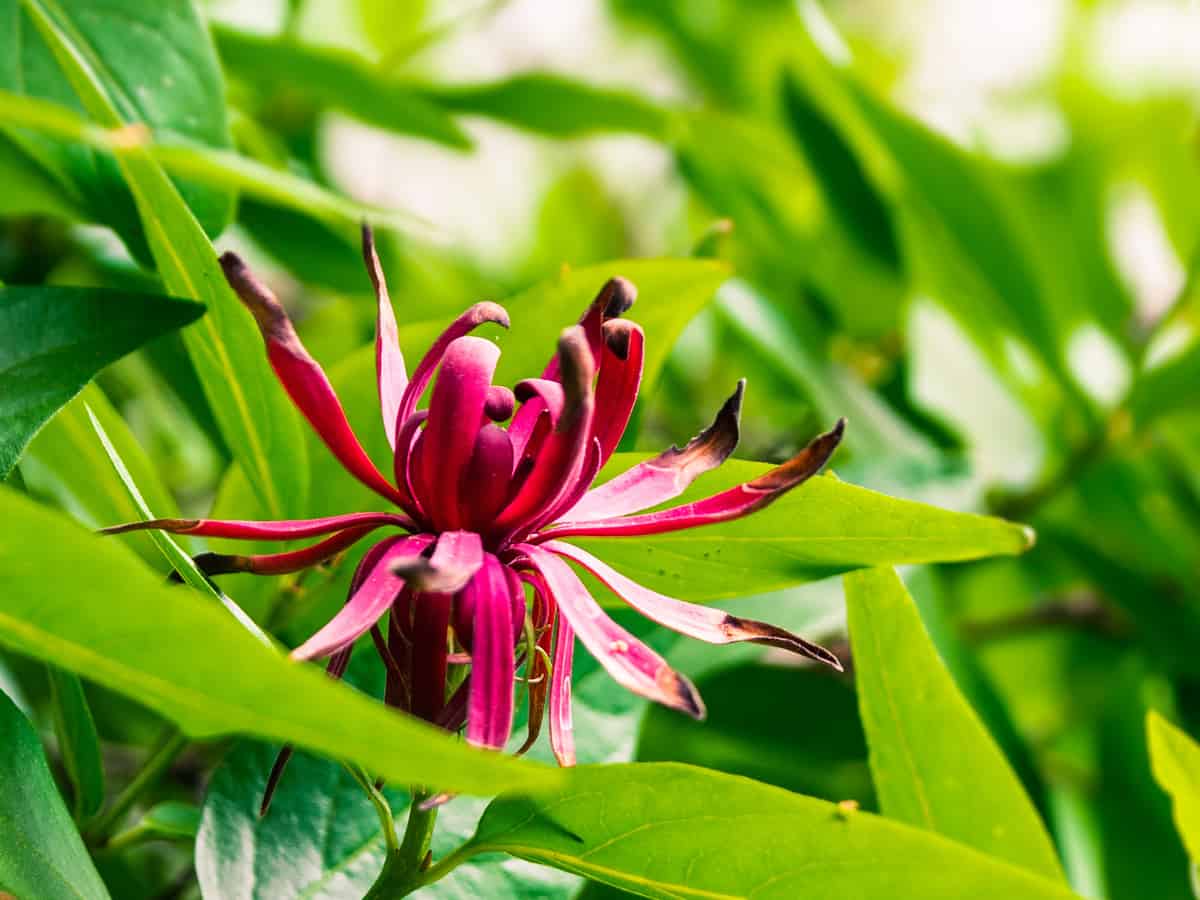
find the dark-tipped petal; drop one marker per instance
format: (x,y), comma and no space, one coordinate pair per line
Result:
(667,475)
(389,361)
(245,529)
(704,623)
(371,599)
(282,563)
(621,362)
(471,319)
(302,377)
(731,504)
(456,558)
(490,712)
(631,663)
(614,299)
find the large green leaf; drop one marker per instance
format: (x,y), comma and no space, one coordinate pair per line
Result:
(54,339)
(671,831)
(62,591)
(41,854)
(1175,758)
(163,73)
(555,105)
(934,764)
(256,419)
(822,528)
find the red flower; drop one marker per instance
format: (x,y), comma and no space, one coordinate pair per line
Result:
(483,509)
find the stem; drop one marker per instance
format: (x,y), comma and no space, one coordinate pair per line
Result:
(404,869)
(382,808)
(169,746)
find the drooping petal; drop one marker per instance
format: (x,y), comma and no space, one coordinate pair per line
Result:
(631,663)
(621,361)
(456,558)
(704,623)
(667,475)
(562,721)
(250,530)
(731,504)
(389,361)
(282,563)
(455,410)
(430,625)
(368,603)
(302,377)
(560,461)
(464,324)
(490,712)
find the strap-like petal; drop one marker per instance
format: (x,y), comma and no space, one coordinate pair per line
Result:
(302,377)
(389,361)
(731,504)
(704,623)
(631,663)
(282,563)
(562,721)
(250,530)
(490,712)
(621,361)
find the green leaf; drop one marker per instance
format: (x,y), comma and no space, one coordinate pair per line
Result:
(824,527)
(54,339)
(670,293)
(326,77)
(552,104)
(78,742)
(935,766)
(258,423)
(41,855)
(170,821)
(163,73)
(172,653)
(1175,758)
(670,831)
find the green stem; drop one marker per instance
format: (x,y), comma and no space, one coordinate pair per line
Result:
(169,746)
(383,809)
(404,869)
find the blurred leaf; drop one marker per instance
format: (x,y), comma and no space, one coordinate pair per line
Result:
(578,224)
(54,339)
(163,656)
(77,742)
(934,763)
(329,78)
(822,528)
(760,724)
(31,189)
(167,821)
(258,423)
(1176,760)
(66,463)
(1172,362)
(41,855)
(665,830)
(552,104)
(162,73)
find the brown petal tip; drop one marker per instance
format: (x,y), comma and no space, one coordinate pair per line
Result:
(371,257)
(617,335)
(577,369)
(487,311)
(714,444)
(803,465)
(616,297)
(681,694)
(268,312)
(773,636)
(175,526)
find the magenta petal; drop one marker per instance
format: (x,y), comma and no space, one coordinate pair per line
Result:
(731,504)
(455,410)
(302,377)
(464,324)
(283,563)
(371,600)
(701,622)
(562,723)
(389,361)
(500,403)
(620,378)
(486,480)
(490,713)
(615,298)
(430,627)
(456,558)
(244,529)
(631,663)
(667,475)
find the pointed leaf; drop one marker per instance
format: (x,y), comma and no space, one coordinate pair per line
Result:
(78,742)
(53,340)
(935,766)
(1175,758)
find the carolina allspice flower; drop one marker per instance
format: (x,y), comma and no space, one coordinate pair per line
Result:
(483,512)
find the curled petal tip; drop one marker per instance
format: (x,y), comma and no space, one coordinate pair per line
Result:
(577,370)
(681,694)
(714,444)
(617,295)
(772,636)
(487,311)
(617,334)
(803,465)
